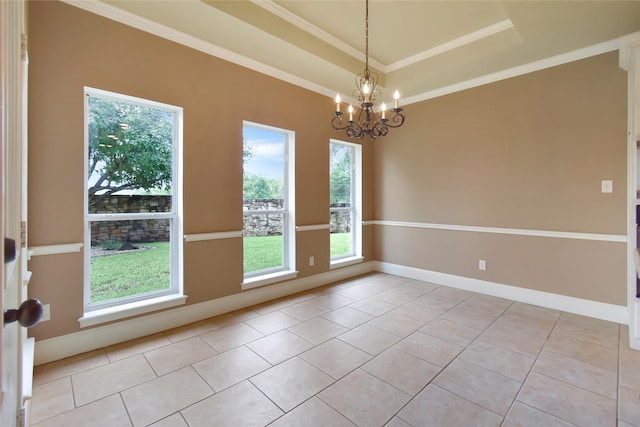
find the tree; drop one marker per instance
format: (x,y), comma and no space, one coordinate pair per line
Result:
(340,174)
(259,187)
(130,148)
(247,151)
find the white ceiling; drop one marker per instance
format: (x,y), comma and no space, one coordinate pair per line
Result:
(423,48)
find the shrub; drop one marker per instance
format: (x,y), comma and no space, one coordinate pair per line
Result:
(110,245)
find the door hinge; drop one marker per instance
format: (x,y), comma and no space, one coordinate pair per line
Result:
(22,418)
(23,47)
(23,234)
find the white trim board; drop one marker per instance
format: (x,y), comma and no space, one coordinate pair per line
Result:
(619,238)
(66,248)
(313,227)
(85,340)
(598,310)
(198,237)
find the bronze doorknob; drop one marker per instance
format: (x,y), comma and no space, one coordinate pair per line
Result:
(27,315)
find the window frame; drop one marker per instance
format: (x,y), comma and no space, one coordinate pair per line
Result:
(103,311)
(355,209)
(288,268)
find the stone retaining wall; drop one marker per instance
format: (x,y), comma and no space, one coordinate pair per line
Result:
(136,231)
(153,230)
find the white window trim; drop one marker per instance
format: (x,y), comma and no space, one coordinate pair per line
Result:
(345,262)
(122,311)
(138,304)
(288,270)
(268,279)
(356,201)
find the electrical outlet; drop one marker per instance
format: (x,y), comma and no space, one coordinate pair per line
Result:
(46,313)
(312,261)
(607,186)
(482,265)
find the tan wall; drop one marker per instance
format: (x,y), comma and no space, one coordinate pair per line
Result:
(70,49)
(525,153)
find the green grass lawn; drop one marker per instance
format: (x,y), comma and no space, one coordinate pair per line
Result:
(262,252)
(122,275)
(340,243)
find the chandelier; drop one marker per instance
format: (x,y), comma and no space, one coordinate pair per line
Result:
(368,122)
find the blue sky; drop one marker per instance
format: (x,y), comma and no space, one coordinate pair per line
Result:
(267,147)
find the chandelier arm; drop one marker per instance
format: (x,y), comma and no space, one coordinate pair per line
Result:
(380,128)
(354,130)
(337,123)
(397,120)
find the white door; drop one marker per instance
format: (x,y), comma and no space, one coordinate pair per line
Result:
(17,353)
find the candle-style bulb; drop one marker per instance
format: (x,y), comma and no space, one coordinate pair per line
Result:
(338,100)
(366,89)
(396,96)
(350,113)
(383,107)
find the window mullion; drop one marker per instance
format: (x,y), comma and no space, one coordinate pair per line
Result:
(264,212)
(130,216)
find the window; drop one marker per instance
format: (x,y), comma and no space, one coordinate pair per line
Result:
(268,222)
(132,203)
(345,191)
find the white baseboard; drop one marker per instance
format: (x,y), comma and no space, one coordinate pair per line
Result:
(634,322)
(598,310)
(63,346)
(90,339)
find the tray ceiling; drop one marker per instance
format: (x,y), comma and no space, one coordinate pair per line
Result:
(418,47)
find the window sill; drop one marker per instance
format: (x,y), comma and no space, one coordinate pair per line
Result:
(110,314)
(344,262)
(267,279)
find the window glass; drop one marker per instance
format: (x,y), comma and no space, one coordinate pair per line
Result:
(266,216)
(131,193)
(344,189)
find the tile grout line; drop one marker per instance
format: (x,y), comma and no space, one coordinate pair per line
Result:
(515,399)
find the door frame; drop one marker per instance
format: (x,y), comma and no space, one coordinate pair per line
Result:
(17,370)
(630,62)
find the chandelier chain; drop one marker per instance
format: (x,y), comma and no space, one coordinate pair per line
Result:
(366,32)
(367,121)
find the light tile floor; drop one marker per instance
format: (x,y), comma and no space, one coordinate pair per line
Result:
(371,351)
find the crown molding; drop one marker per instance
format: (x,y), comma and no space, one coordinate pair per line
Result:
(451,45)
(118,15)
(531,67)
(627,43)
(308,27)
(111,12)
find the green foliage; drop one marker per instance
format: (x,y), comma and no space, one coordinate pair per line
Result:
(259,187)
(130,147)
(110,245)
(247,151)
(340,174)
